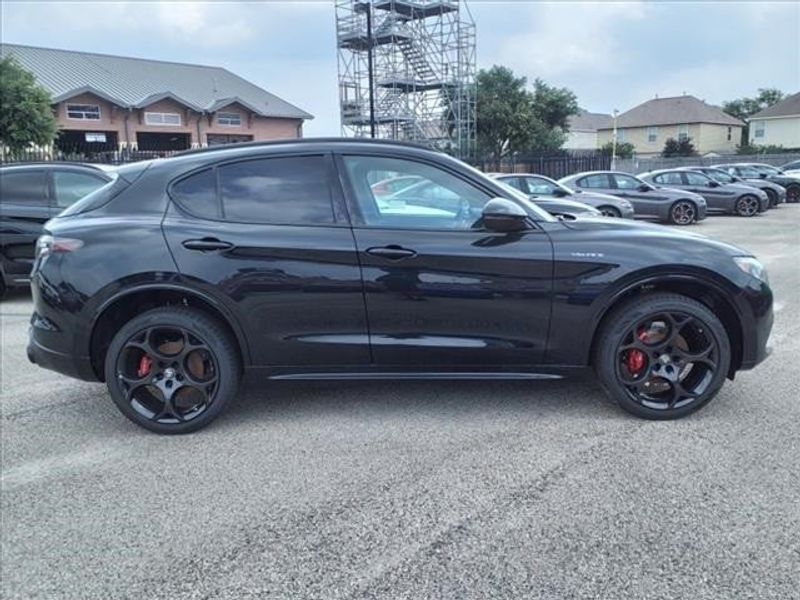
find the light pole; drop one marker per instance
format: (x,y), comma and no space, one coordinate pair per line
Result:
(614,143)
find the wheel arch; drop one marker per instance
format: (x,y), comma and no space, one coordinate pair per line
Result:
(122,307)
(702,289)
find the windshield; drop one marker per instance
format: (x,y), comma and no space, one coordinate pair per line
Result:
(768,169)
(541,214)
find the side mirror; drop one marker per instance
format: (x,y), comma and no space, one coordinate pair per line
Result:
(713,183)
(762,175)
(644,188)
(503,215)
(560,193)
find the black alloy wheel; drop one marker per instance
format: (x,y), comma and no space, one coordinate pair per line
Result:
(683,212)
(793,193)
(172,370)
(663,356)
(610,211)
(747,206)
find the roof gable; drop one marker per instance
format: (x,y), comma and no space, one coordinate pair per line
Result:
(674,111)
(129,82)
(788,107)
(587,121)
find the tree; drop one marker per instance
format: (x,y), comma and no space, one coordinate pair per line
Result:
(624,149)
(673,147)
(511,118)
(26,115)
(744,108)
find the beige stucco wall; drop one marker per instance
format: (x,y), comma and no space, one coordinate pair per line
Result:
(705,137)
(784,132)
(581,140)
(112,118)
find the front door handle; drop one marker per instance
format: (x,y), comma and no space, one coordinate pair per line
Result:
(391,252)
(207,245)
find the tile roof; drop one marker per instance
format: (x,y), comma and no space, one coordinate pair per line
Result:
(674,111)
(789,106)
(587,121)
(136,82)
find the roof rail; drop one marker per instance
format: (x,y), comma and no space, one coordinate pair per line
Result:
(323,140)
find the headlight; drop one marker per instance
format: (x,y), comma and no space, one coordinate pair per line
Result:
(751,266)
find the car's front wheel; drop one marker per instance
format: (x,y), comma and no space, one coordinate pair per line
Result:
(747,206)
(662,356)
(610,211)
(683,212)
(793,193)
(172,370)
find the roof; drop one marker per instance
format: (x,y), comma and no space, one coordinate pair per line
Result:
(674,111)
(587,121)
(788,107)
(136,82)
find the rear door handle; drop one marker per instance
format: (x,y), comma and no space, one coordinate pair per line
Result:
(391,252)
(207,245)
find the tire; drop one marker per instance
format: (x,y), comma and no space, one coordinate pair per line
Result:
(773,198)
(3,287)
(683,212)
(610,211)
(689,326)
(176,353)
(747,206)
(793,193)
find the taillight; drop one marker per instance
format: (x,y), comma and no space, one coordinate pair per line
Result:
(48,244)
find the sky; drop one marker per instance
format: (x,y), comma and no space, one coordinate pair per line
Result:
(613,55)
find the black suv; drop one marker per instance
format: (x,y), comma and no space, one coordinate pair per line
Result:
(289,260)
(30,194)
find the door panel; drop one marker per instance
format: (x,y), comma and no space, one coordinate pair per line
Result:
(24,209)
(296,288)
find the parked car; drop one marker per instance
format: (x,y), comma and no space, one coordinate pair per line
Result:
(30,194)
(649,202)
(775,193)
(730,198)
(541,186)
(751,172)
(792,168)
(277,259)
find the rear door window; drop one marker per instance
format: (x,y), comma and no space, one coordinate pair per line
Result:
(72,186)
(668,179)
(24,187)
(598,181)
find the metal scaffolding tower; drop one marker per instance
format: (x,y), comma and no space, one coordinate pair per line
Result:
(407,71)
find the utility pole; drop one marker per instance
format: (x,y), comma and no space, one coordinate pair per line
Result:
(614,143)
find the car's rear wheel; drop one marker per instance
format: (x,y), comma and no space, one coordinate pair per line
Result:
(3,287)
(172,370)
(772,197)
(747,206)
(610,211)
(683,212)
(662,356)
(793,193)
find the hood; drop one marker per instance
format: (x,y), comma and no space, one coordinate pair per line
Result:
(742,187)
(651,232)
(763,184)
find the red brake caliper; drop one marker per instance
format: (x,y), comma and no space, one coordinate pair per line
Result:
(634,358)
(145,363)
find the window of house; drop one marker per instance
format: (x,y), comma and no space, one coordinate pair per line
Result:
(83,112)
(758,129)
(683,132)
(230,119)
(652,134)
(730,133)
(439,200)
(160,118)
(620,135)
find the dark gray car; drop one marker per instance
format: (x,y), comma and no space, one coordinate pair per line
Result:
(776,193)
(729,198)
(541,186)
(649,202)
(756,172)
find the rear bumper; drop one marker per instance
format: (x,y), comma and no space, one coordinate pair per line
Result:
(66,364)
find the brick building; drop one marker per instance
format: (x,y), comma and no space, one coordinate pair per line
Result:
(106,103)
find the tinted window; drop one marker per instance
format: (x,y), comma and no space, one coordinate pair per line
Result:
(290,190)
(594,181)
(198,194)
(515,182)
(668,179)
(537,185)
(24,187)
(626,182)
(71,187)
(439,200)
(720,176)
(696,179)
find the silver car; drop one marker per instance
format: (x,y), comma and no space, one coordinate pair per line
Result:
(680,207)
(541,186)
(728,198)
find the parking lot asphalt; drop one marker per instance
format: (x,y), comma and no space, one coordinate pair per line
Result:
(412,489)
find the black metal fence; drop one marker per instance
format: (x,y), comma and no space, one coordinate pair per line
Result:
(554,166)
(87,155)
